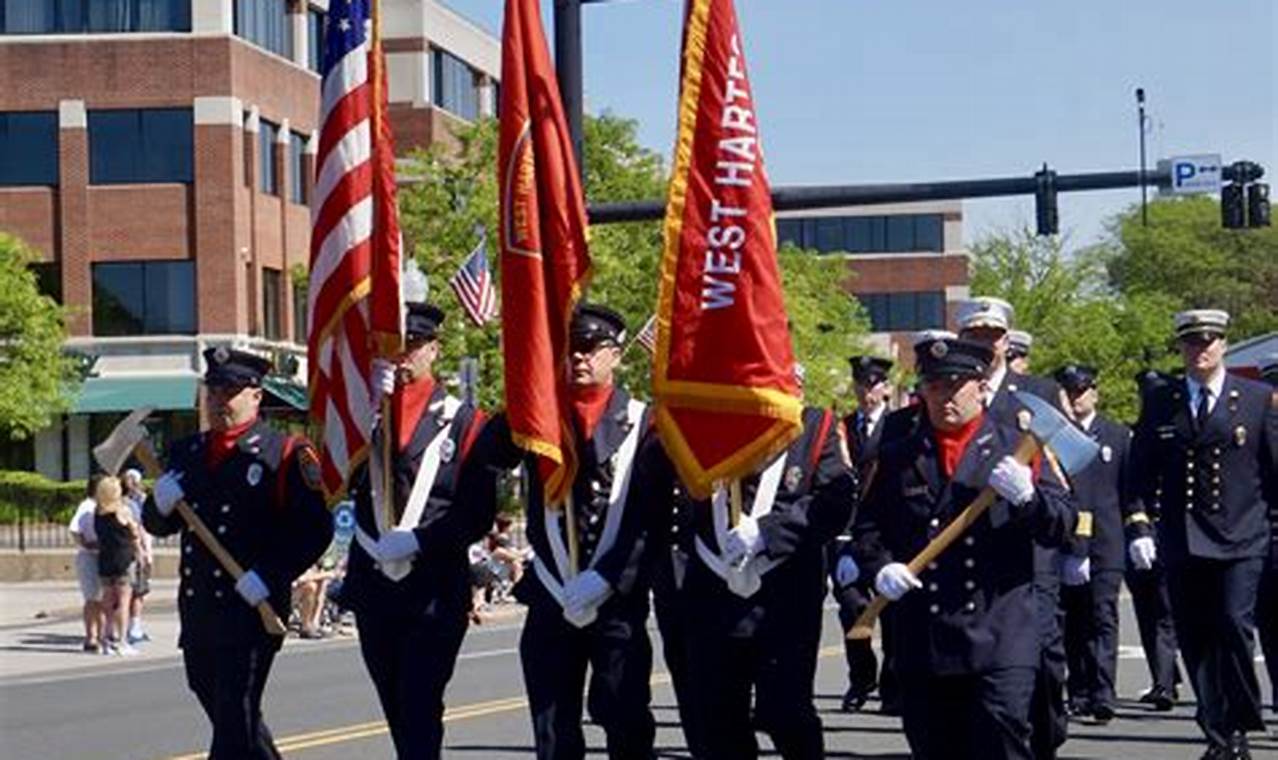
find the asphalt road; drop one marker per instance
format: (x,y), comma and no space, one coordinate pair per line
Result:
(320,704)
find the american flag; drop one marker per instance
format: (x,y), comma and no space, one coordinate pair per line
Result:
(349,232)
(647,335)
(473,285)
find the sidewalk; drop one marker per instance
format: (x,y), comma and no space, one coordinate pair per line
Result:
(41,632)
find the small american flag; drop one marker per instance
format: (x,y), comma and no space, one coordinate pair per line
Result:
(473,285)
(647,335)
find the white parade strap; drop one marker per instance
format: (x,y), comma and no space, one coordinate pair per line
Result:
(397,570)
(623,465)
(744,581)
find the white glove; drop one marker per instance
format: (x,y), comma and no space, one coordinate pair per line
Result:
(895,581)
(251,587)
(396,545)
(1143,552)
(1075,571)
(586,592)
(743,542)
(168,491)
(1013,481)
(846,572)
(381,380)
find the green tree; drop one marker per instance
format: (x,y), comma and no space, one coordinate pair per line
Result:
(454,196)
(36,378)
(1185,256)
(1068,305)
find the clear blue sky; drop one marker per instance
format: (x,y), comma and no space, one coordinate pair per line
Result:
(853,91)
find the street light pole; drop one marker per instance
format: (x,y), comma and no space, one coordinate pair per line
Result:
(568,67)
(1140,115)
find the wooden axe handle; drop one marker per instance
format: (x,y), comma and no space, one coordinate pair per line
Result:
(863,628)
(154,469)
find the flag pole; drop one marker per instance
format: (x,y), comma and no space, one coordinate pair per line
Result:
(375,113)
(734,502)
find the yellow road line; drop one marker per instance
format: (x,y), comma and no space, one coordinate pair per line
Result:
(312,739)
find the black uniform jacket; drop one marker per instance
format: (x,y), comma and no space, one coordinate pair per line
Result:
(1103,493)
(459,511)
(1217,483)
(977,610)
(624,564)
(815,500)
(264,504)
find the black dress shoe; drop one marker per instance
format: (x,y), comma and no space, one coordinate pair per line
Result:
(1102,713)
(1079,708)
(854,699)
(1160,698)
(1238,748)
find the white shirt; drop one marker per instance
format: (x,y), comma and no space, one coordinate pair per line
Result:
(1086,422)
(994,382)
(1215,386)
(872,418)
(81,524)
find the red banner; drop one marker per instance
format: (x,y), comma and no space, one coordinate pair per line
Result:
(545,264)
(723,375)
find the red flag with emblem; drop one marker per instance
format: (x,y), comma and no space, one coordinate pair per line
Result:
(545,264)
(723,372)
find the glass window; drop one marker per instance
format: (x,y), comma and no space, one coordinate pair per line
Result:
(790,231)
(929,233)
(829,234)
(79,16)
(315,39)
(272,328)
(265,24)
(299,312)
(900,233)
(456,85)
(29,148)
(296,168)
(48,278)
(151,145)
(144,298)
(867,234)
(268,182)
(904,311)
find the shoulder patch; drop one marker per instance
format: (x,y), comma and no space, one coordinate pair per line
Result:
(308,465)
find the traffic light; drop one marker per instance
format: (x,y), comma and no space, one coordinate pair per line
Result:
(1233,213)
(1258,205)
(1045,211)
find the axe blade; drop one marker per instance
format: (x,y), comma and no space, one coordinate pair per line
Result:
(116,448)
(1072,447)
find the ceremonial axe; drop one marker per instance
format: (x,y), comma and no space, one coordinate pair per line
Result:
(129,438)
(1046,428)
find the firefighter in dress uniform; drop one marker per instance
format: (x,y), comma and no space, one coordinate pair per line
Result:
(1089,593)
(988,320)
(1150,600)
(592,616)
(1019,346)
(259,492)
(1210,442)
(864,428)
(755,591)
(408,577)
(1267,600)
(966,637)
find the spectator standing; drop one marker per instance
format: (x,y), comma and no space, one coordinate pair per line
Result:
(140,578)
(86,566)
(118,550)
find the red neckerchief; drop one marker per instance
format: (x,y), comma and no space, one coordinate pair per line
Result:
(410,402)
(953,443)
(222,442)
(588,405)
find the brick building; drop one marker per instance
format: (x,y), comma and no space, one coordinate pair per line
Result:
(158,154)
(905,261)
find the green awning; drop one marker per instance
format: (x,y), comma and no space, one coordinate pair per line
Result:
(124,394)
(288,392)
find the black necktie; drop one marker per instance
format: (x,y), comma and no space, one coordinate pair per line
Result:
(1200,415)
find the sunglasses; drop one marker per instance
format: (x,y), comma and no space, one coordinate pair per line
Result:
(1199,339)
